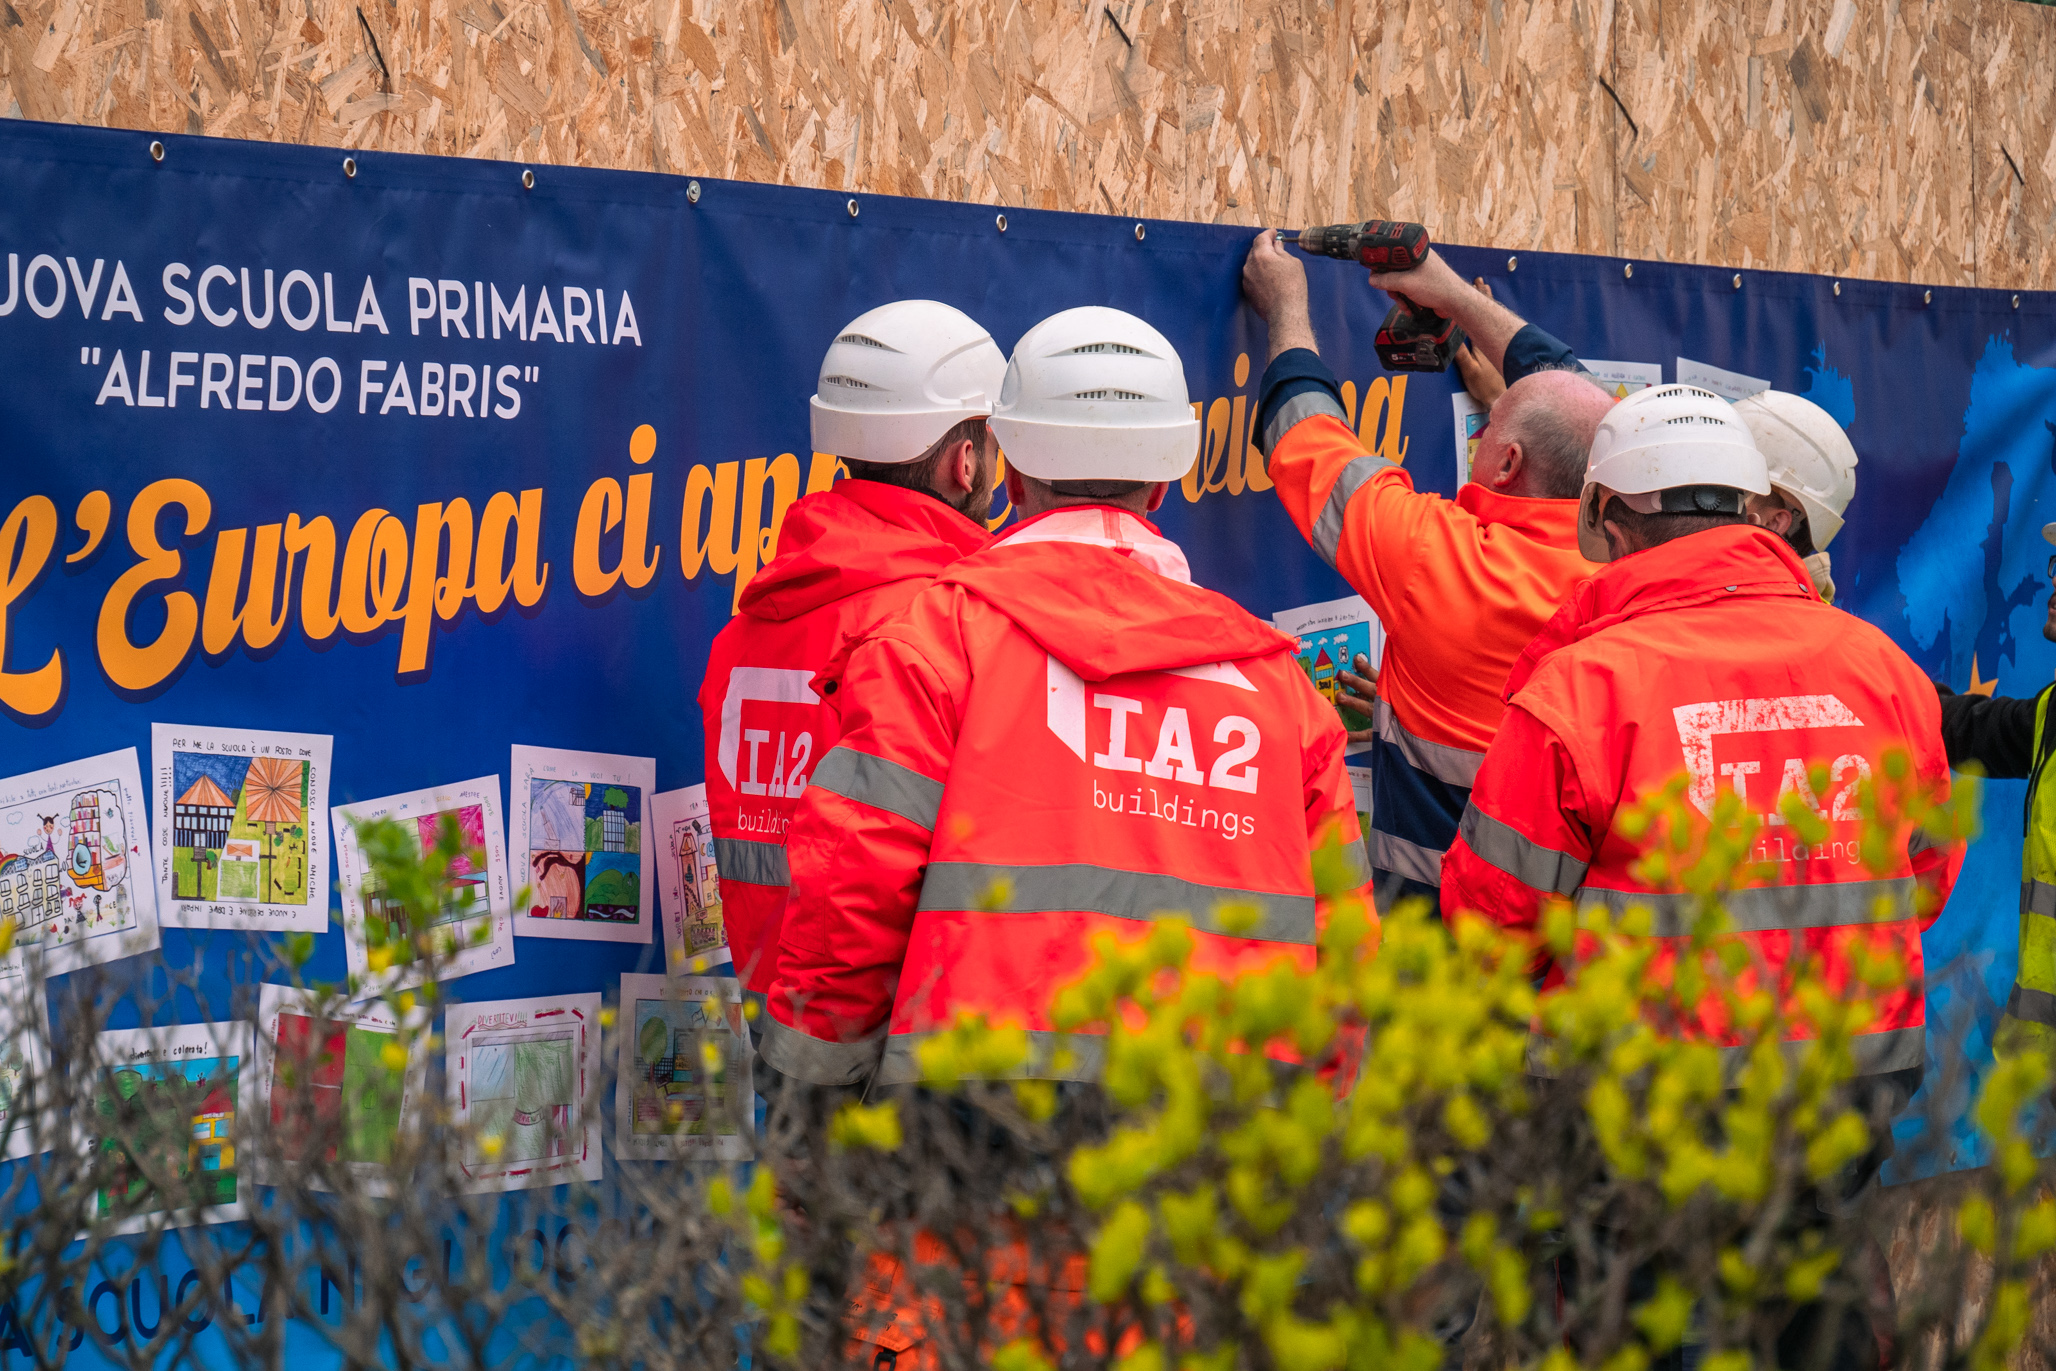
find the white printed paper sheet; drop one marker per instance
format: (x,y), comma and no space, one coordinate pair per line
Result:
(75,862)
(24,1066)
(240,824)
(1331,636)
(165,1107)
(1622,379)
(683,1091)
(684,844)
(1731,385)
(577,834)
(323,1080)
(524,1080)
(474,936)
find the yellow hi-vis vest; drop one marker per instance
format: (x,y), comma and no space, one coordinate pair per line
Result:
(2031,1009)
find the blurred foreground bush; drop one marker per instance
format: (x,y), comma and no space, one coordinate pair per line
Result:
(1409,1156)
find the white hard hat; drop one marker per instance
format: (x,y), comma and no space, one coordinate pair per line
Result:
(1808,454)
(1665,438)
(1094,394)
(899,377)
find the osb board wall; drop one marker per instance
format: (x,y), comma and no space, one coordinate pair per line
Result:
(1902,139)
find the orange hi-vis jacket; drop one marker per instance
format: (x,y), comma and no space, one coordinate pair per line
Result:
(1711,656)
(848,557)
(1063,735)
(1460,585)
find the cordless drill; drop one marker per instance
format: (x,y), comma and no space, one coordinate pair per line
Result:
(1411,338)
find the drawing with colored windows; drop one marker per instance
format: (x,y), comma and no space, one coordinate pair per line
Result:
(74,862)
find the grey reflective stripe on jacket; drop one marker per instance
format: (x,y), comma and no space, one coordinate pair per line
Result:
(2037,897)
(751,862)
(1519,856)
(1301,407)
(2036,1006)
(1111,891)
(817,1061)
(1390,852)
(1083,1057)
(1764,909)
(1326,534)
(881,784)
(1446,763)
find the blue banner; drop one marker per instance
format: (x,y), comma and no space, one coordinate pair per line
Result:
(343,446)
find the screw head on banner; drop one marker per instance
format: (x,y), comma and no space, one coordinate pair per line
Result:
(1738,280)
(2016,302)
(1001,220)
(156,150)
(692,192)
(1628,270)
(1927,297)
(1138,233)
(1512,262)
(1838,287)
(853,207)
(527,179)
(350,167)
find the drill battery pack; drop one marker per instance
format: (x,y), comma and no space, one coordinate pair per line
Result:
(1413,339)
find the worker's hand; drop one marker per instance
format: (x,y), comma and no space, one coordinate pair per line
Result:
(1358,690)
(1432,284)
(1480,377)
(1274,280)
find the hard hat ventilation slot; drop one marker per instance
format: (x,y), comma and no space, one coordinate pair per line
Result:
(862,340)
(1109,395)
(852,382)
(1104,347)
(1694,419)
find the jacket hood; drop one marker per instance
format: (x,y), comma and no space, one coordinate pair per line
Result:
(852,537)
(1720,563)
(1101,613)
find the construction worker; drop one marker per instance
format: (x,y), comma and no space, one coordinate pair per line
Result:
(1460,585)
(2011,739)
(1701,648)
(903,398)
(1812,463)
(1063,735)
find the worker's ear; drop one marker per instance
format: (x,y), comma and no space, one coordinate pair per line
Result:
(1510,469)
(1017,490)
(1778,521)
(1157,492)
(961,465)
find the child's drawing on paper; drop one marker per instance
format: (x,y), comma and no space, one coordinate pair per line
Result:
(522,1088)
(239,828)
(1325,652)
(585,850)
(467,872)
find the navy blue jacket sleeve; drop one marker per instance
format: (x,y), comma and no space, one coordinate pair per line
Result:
(1534,350)
(1294,371)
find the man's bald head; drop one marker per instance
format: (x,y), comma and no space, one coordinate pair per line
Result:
(1548,419)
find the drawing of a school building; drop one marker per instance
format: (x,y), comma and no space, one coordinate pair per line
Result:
(31,889)
(201,817)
